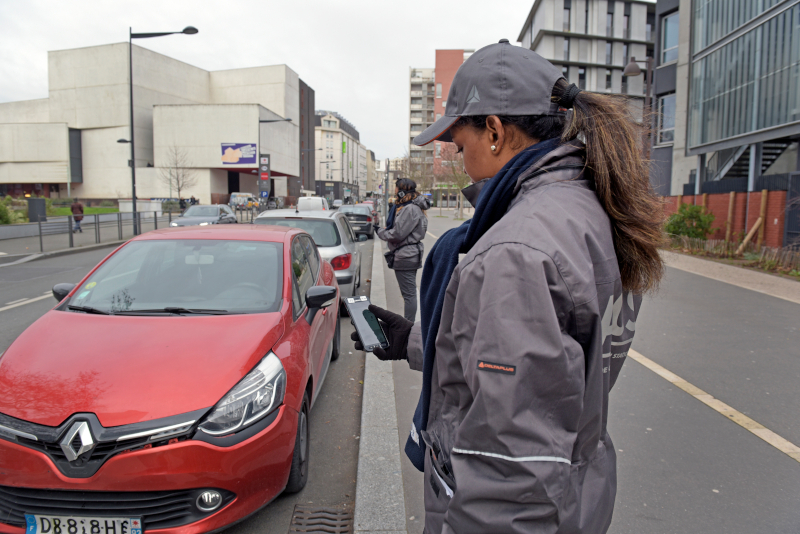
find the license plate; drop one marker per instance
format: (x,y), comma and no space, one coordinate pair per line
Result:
(56,524)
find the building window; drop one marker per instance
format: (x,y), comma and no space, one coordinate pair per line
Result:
(582,78)
(610,20)
(669,39)
(438,90)
(566,48)
(444,103)
(666,119)
(586,19)
(648,34)
(567,7)
(608,79)
(565,72)
(329,124)
(609,58)
(438,150)
(626,29)
(625,54)
(438,116)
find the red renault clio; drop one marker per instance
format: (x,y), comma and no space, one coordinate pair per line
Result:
(169,391)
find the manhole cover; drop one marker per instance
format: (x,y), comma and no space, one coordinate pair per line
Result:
(312,520)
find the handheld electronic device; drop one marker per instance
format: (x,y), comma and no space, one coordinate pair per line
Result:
(367,325)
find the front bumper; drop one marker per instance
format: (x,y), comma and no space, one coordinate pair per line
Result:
(255,471)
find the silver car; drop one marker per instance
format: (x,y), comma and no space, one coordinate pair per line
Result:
(336,241)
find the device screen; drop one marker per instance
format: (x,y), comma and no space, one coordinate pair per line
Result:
(367,325)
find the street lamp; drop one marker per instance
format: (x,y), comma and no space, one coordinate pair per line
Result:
(632,69)
(188,30)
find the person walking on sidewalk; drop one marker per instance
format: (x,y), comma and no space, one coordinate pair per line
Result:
(77,214)
(405,229)
(522,339)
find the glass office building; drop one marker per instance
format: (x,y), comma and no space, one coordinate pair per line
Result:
(745,73)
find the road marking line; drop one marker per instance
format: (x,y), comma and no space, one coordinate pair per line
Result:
(23,303)
(3,253)
(15,301)
(783,445)
(430,234)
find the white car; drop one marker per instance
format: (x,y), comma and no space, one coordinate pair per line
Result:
(335,240)
(312,204)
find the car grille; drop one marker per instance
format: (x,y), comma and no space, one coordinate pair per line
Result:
(158,509)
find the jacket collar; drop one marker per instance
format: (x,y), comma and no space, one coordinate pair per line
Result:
(570,155)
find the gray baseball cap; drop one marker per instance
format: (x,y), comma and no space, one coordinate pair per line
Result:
(499,79)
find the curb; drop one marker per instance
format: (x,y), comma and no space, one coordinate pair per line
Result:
(380,501)
(63,252)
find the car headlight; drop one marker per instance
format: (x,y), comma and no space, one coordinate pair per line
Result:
(174,224)
(255,396)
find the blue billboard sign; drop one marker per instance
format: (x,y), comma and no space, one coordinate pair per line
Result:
(239,153)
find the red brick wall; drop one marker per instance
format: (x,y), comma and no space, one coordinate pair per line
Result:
(447,64)
(718,205)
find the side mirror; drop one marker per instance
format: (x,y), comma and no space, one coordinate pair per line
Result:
(320,296)
(60,291)
(362,237)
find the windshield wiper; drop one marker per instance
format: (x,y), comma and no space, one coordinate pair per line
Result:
(176,311)
(88,309)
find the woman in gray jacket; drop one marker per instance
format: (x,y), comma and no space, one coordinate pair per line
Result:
(405,229)
(529,309)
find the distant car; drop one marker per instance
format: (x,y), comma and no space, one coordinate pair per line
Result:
(360,218)
(189,409)
(335,240)
(371,204)
(205,215)
(337,203)
(312,204)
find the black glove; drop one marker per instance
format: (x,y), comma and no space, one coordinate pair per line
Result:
(397,329)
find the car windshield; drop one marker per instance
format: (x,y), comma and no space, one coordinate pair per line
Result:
(324,233)
(232,276)
(361,210)
(202,211)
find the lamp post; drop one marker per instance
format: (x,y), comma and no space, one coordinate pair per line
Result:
(188,30)
(632,69)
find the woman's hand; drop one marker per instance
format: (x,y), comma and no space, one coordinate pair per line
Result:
(397,329)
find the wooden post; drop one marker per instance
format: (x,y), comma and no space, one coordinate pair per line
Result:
(750,234)
(729,222)
(763,217)
(705,200)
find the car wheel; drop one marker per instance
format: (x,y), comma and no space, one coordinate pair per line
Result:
(298,475)
(337,340)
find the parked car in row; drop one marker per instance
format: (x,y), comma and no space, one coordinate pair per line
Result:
(312,204)
(360,218)
(206,215)
(170,389)
(335,239)
(337,203)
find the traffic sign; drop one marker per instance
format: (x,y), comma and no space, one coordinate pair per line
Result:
(264,194)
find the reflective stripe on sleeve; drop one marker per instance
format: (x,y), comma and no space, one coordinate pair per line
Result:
(517,459)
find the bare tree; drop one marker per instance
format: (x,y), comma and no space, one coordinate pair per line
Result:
(452,171)
(177,174)
(414,168)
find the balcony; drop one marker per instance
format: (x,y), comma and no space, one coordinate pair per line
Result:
(415,120)
(417,107)
(417,93)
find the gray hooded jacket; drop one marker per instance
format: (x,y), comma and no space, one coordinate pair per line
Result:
(534,330)
(410,225)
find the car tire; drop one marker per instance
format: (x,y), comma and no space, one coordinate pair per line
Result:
(298,475)
(337,340)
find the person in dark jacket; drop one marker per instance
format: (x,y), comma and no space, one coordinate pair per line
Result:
(529,309)
(77,214)
(405,229)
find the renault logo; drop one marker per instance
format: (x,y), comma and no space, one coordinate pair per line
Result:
(79,430)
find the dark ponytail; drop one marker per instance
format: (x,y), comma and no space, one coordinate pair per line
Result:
(614,161)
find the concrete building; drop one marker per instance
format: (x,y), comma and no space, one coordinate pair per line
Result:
(338,161)
(66,144)
(592,40)
(373,180)
(727,87)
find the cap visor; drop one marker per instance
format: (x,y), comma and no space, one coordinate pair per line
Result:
(437,130)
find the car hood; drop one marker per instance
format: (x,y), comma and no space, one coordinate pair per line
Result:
(189,221)
(129,369)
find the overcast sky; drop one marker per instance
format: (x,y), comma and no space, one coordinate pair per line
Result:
(355,54)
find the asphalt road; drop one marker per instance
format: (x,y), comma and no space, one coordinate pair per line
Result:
(334,422)
(683,467)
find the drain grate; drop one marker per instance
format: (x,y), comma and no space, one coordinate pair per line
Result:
(310,520)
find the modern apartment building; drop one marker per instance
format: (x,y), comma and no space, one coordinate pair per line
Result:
(66,144)
(728,88)
(592,40)
(338,163)
(428,97)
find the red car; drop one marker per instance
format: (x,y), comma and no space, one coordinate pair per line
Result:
(169,391)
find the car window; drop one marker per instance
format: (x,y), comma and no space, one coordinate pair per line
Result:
(361,210)
(323,232)
(201,211)
(227,210)
(301,269)
(351,237)
(313,258)
(236,276)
